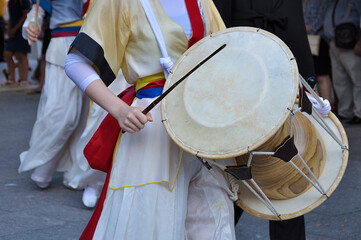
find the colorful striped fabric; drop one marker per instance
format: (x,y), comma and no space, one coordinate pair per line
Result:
(67,29)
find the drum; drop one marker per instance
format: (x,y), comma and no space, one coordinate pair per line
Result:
(241,103)
(236,100)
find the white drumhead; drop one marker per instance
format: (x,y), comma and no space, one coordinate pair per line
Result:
(236,100)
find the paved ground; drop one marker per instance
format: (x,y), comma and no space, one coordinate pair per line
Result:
(57,212)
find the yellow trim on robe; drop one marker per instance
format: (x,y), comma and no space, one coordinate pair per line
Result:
(77,23)
(90,107)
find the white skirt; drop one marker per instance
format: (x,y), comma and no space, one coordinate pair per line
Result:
(197,208)
(57,127)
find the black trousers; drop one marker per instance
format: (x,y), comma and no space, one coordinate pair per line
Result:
(293,229)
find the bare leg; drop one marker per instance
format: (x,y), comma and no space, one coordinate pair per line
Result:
(11,66)
(325,86)
(23,68)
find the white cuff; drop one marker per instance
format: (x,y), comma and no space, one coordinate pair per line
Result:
(79,69)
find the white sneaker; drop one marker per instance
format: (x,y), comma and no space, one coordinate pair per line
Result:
(42,185)
(90,197)
(39,183)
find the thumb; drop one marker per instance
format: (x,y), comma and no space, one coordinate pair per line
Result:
(149,117)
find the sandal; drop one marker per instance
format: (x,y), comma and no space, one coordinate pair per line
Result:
(24,83)
(8,83)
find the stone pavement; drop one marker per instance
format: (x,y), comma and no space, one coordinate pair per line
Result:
(57,212)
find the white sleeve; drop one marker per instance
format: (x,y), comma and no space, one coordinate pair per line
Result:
(79,69)
(30,19)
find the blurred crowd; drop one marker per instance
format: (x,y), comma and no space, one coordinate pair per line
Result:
(14,49)
(333,28)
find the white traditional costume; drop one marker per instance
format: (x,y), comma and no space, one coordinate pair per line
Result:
(62,109)
(154,190)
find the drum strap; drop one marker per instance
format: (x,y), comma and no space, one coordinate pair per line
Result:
(287,150)
(197,23)
(166,62)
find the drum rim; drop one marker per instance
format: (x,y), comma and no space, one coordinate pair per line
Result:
(265,138)
(318,202)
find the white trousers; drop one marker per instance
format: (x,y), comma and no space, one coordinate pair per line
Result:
(58,124)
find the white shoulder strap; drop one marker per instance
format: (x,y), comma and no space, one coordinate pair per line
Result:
(165,61)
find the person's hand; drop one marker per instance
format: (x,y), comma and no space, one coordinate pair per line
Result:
(32,32)
(133,120)
(308,29)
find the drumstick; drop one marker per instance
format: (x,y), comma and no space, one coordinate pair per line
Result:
(158,99)
(36,15)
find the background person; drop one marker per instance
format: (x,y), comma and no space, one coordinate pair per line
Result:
(16,44)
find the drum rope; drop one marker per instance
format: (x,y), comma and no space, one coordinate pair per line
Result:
(318,187)
(264,200)
(309,170)
(307,178)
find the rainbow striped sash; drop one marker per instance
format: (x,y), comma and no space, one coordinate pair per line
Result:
(67,30)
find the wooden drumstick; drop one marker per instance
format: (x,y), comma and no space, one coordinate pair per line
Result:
(36,14)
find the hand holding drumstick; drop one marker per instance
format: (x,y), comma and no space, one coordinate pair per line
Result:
(32,31)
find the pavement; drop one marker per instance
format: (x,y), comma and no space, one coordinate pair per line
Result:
(28,213)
